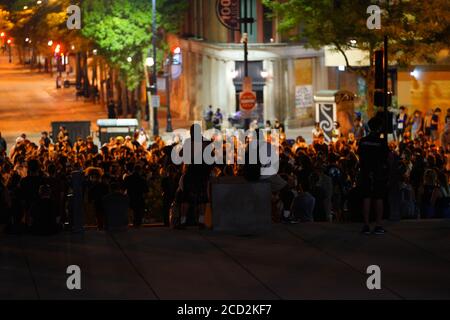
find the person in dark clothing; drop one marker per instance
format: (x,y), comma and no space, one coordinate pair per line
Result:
(434,128)
(402,120)
(15,213)
(45,139)
(169,189)
(91,148)
(319,194)
(29,186)
(217,120)
(57,186)
(5,203)
(208,117)
(136,187)
(111,110)
(279,126)
(43,213)
(115,205)
(335,173)
(252,171)
(193,183)
(97,191)
(373,153)
(320,146)
(3,145)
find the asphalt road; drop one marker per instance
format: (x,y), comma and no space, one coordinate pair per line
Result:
(306,261)
(29,102)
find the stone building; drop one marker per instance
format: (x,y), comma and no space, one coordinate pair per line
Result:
(285,74)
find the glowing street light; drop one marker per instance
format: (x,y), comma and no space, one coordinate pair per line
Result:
(264,74)
(25,7)
(39,2)
(50,43)
(177,50)
(149,62)
(415,74)
(9,50)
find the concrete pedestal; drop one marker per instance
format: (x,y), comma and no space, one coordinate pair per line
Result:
(241,207)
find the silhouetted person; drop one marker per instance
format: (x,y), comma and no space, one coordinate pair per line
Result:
(3,145)
(29,186)
(373,153)
(43,213)
(112,110)
(136,187)
(115,206)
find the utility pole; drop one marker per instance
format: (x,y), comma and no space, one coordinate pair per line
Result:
(245,20)
(386,89)
(385,82)
(168,76)
(154,75)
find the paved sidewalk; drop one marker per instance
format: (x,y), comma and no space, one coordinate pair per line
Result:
(307,261)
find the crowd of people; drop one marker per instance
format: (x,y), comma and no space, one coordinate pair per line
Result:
(352,178)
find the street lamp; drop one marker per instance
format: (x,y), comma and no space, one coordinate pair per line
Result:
(9,50)
(2,35)
(149,62)
(154,76)
(264,74)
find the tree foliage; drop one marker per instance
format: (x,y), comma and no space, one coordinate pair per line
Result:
(122,30)
(5,22)
(417,29)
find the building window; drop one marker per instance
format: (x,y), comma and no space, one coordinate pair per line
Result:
(249,7)
(267,25)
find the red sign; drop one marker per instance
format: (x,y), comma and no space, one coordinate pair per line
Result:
(229,13)
(247,100)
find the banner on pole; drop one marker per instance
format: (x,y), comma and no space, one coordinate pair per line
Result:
(229,13)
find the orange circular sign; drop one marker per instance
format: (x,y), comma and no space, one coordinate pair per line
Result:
(248,100)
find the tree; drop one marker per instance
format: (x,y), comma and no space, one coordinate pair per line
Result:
(417,29)
(39,23)
(121,29)
(5,23)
